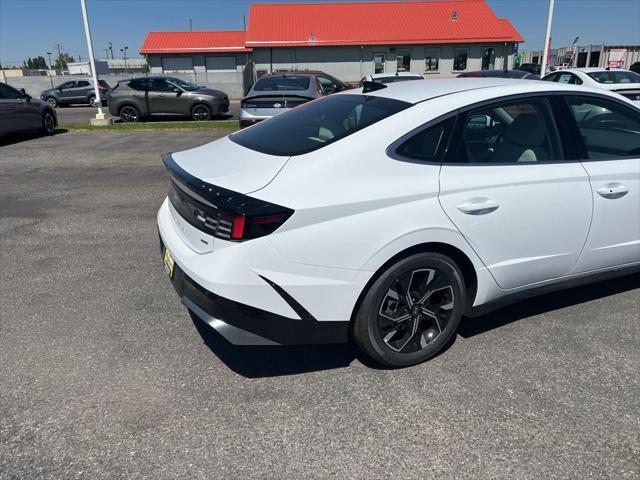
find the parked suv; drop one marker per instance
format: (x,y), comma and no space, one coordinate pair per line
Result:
(278,92)
(75,92)
(140,97)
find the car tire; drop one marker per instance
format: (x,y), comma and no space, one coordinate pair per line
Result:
(48,123)
(411,311)
(53,103)
(92,101)
(201,112)
(129,114)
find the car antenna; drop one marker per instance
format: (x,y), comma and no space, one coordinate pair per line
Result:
(368,86)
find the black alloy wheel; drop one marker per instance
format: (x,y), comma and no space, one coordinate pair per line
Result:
(129,114)
(201,112)
(48,123)
(411,311)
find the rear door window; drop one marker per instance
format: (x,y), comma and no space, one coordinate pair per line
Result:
(318,123)
(279,83)
(516,131)
(609,130)
(83,83)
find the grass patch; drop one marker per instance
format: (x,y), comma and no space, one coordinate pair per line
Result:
(134,127)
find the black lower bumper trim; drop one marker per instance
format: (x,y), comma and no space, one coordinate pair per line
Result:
(279,329)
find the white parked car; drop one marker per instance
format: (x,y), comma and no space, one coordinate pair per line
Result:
(384,215)
(623,82)
(391,77)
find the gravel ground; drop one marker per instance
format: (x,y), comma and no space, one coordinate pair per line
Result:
(104,374)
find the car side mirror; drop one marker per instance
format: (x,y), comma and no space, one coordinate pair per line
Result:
(25,95)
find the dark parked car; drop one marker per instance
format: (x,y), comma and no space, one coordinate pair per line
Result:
(75,92)
(521,74)
(535,68)
(21,113)
(277,92)
(136,98)
(635,67)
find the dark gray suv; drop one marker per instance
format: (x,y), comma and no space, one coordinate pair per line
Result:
(75,92)
(134,99)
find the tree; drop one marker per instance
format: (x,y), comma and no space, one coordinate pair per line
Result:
(62,60)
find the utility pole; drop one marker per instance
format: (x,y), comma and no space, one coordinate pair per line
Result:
(190,24)
(244,21)
(50,79)
(545,55)
(111,50)
(100,116)
(124,57)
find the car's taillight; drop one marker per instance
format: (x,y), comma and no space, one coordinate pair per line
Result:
(230,215)
(246,227)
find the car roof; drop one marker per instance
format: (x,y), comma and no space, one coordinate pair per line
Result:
(296,72)
(395,74)
(421,90)
(594,69)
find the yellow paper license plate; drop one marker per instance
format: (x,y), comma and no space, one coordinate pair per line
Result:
(167,259)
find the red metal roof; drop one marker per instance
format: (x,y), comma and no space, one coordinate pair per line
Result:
(391,23)
(193,42)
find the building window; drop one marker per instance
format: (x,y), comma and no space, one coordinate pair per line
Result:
(431,60)
(404,62)
(488,58)
(378,63)
(460,56)
(221,64)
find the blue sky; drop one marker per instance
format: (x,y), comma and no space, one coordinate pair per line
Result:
(30,28)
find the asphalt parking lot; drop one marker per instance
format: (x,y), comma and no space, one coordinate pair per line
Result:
(104,374)
(83,114)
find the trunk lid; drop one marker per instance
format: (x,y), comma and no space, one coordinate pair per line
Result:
(231,166)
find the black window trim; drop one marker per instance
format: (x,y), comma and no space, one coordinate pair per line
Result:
(392,150)
(582,155)
(457,134)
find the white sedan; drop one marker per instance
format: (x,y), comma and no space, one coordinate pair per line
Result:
(623,82)
(385,214)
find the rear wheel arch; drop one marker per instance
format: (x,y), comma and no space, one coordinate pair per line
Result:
(458,256)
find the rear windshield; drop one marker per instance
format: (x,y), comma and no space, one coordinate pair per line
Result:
(282,83)
(615,77)
(318,123)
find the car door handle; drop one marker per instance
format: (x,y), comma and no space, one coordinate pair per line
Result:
(478,206)
(612,191)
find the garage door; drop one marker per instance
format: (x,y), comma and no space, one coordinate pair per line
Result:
(221,64)
(177,64)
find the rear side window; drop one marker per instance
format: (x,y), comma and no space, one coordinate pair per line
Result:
(615,77)
(609,130)
(139,84)
(516,131)
(429,144)
(83,83)
(318,123)
(282,83)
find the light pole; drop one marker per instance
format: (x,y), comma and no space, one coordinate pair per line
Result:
(124,57)
(100,116)
(545,55)
(50,79)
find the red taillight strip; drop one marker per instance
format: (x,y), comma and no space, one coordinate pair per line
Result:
(237,231)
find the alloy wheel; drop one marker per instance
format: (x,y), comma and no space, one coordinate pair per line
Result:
(52,102)
(200,112)
(92,101)
(48,123)
(415,310)
(129,114)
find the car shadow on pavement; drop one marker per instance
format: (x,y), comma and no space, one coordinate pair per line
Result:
(174,118)
(273,361)
(523,309)
(25,137)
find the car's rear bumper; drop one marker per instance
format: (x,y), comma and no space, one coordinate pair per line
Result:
(246,325)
